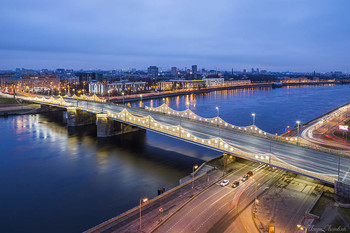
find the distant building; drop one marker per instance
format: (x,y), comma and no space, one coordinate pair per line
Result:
(31,83)
(180,84)
(165,86)
(174,71)
(194,69)
(116,87)
(89,76)
(153,71)
(213,82)
(60,71)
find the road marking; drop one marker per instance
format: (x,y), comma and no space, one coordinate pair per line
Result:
(346,174)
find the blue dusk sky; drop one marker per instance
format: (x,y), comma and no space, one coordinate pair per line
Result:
(277,35)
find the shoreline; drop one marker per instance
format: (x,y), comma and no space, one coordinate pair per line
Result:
(136,97)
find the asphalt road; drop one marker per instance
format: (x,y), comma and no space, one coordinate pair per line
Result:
(220,209)
(300,157)
(324,133)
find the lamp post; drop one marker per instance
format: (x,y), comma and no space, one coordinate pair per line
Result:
(188,106)
(225,161)
(253,115)
(298,122)
(144,200)
(141,99)
(123,97)
(218,118)
(193,169)
(285,130)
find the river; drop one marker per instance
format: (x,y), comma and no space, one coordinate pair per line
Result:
(55,179)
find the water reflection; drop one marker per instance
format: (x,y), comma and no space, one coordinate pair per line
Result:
(274,108)
(73,176)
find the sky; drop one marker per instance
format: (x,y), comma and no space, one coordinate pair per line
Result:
(276,35)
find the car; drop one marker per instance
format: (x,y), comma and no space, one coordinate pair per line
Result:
(250,173)
(224,183)
(235,184)
(245,177)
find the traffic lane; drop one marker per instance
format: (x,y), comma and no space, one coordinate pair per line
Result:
(175,224)
(255,143)
(212,213)
(199,214)
(232,216)
(315,165)
(326,164)
(258,142)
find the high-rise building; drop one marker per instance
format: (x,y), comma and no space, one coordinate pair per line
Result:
(194,69)
(174,71)
(153,71)
(253,71)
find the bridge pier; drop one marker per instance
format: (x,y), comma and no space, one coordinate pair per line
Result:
(77,117)
(107,127)
(342,193)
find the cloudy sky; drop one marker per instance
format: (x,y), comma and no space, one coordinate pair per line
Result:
(279,35)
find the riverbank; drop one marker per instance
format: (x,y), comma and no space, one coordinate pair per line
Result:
(159,209)
(148,96)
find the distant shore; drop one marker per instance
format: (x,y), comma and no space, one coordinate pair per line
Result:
(137,97)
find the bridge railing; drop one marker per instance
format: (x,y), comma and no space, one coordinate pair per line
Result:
(250,130)
(216,143)
(179,132)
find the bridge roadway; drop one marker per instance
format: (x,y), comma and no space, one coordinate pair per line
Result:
(316,164)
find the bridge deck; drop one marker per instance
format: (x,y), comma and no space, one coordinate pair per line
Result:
(316,164)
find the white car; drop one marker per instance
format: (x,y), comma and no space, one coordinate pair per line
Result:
(224,183)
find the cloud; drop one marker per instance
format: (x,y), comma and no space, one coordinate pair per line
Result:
(302,35)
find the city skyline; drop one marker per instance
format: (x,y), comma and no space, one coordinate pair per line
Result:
(277,36)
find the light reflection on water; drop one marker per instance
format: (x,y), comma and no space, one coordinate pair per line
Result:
(59,180)
(274,108)
(68,180)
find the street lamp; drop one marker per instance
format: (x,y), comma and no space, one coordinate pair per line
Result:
(123,97)
(225,162)
(285,130)
(188,106)
(218,118)
(109,96)
(302,228)
(253,114)
(144,200)
(193,169)
(298,122)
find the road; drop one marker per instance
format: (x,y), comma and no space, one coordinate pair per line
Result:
(224,209)
(322,131)
(307,159)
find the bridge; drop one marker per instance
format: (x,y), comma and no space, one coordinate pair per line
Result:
(250,142)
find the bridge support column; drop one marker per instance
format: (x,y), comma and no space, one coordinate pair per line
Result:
(107,127)
(77,117)
(342,193)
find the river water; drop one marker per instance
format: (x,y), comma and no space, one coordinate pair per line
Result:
(55,179)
